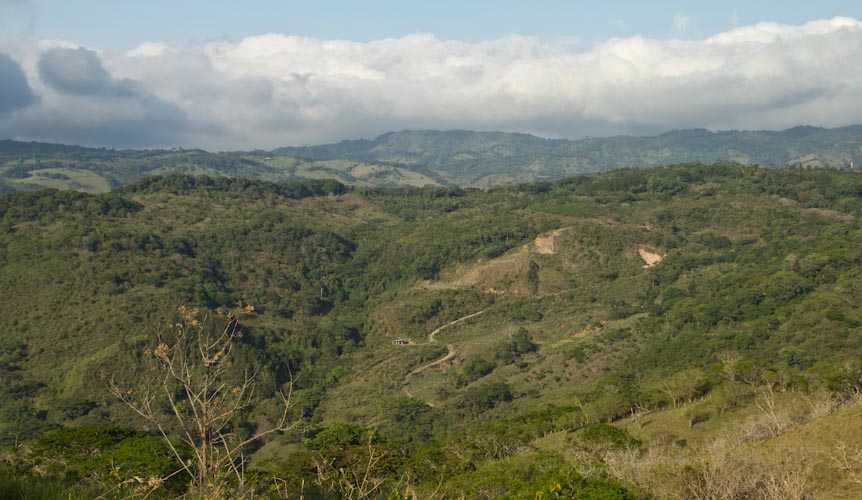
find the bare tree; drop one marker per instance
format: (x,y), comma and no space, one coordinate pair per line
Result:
(718,475)
(788,478)
(777,419)
(729,364)
(194,393)
(849,462)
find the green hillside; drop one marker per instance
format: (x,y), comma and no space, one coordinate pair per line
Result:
(428,158)
(30,166)
(482,159)
(673,332)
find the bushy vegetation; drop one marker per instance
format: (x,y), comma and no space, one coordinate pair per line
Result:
(538,329)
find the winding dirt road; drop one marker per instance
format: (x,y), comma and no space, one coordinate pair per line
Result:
(432,339)
(447,357)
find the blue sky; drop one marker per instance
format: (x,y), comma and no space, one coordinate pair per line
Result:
(126,24)
(224,75)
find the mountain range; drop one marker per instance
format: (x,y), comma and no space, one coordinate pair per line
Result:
(418,158)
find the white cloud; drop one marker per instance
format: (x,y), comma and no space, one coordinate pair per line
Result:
(148,49)
(273,90)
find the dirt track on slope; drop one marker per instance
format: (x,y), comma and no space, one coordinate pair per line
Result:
(432,339)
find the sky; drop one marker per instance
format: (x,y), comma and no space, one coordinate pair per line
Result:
(262,74)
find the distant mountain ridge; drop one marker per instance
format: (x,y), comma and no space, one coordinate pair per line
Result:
(415,158)
(487,158)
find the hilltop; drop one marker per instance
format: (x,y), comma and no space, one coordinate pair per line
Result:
(481,159)
(420,158)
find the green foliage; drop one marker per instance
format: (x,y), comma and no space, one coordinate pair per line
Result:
(519,311)
(184,184)
(485,396)
(844,380)
(698,413)
(510,350)
(472,370)
(111,454)
(604,435)
(539,476)
(339,436)
(16,485)
(47,206)
(586,489)
(533,276)
(759,283)
(408,416)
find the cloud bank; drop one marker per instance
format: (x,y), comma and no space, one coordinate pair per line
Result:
(15,92)
(274,90)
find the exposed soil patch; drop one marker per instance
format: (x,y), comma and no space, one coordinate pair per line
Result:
(545,244)
(650,258)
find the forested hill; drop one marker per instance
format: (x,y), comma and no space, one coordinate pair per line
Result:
(27,166)
(427,158)
(664,333)
(489,158)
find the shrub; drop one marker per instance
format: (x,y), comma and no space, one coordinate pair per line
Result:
(474,369)
(117,452)
(486,396)
(610,436)
(510,350)
(339,436)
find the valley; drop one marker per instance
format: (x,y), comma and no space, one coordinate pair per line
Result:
(640,333)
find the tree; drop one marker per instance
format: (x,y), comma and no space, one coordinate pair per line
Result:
(510,350)
(685,385)
(194,393)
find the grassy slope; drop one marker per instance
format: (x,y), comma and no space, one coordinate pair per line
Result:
(97,171)
(484,159)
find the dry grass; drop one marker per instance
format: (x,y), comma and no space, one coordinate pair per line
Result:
(794,449)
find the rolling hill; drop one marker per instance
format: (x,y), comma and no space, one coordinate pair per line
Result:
(641,333)
(483,159)
(419,158)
